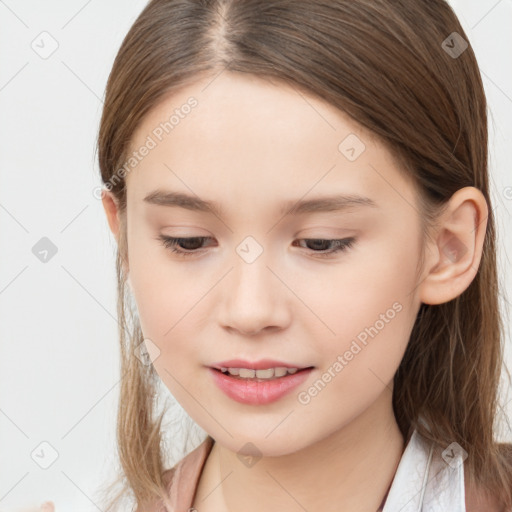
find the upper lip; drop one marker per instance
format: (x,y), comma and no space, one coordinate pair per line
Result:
(262,364)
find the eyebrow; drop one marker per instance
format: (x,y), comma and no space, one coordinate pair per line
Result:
(329,203)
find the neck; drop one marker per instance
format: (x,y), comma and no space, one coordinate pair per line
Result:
(351,469)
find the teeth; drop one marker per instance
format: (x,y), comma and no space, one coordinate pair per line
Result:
(269,373)
(281,372)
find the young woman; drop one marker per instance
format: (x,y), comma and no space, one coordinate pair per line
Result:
(299,194)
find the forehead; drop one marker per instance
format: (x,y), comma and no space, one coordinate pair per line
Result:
(247,109)
(234,136)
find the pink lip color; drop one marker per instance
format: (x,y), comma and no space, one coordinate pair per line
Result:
(256,392)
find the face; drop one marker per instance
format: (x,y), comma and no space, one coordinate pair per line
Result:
(271,272)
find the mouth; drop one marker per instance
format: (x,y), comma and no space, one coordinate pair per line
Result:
(260,375)
(262,364)
(259,386)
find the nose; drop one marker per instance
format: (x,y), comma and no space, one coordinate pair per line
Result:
(255,299)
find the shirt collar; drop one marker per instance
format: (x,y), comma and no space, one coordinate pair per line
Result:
(428,479)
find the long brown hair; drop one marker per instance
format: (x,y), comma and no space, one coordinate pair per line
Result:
(388,65)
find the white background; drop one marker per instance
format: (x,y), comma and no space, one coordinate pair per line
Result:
(59,371)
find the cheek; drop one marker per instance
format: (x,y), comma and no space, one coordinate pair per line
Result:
(165,301)
(162,290)
(371,324)
(366,309)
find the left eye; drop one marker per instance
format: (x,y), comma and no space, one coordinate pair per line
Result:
(337,245)
(191,244)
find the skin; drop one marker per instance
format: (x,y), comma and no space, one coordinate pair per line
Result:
(251,144)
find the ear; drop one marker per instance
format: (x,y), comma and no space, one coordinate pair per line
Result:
(111,209)
(454,255)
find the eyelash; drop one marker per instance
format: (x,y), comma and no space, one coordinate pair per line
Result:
(172,244)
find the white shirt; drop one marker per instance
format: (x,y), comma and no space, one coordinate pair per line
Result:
(428,479)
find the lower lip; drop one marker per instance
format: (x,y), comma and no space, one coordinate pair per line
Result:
(256,392)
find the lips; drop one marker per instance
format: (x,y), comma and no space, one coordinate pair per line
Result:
(258,391)
(262,364)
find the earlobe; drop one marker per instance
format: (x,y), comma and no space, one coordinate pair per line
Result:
(111,210)
(454,255)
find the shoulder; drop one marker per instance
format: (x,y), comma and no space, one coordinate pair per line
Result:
(157,505)
(180,481)
(477,500)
